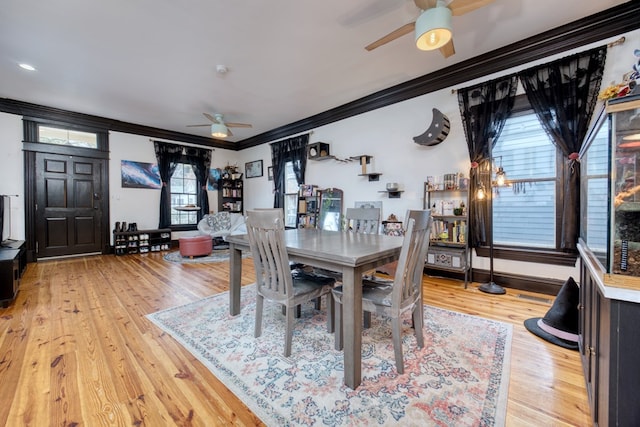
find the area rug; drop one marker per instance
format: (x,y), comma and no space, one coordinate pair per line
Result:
(459,378)
(218,255)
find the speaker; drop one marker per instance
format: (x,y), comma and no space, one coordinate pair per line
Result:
(317,150)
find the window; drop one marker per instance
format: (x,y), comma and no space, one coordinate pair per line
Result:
(183,192)
(74,138)
(526,214)
(290,196)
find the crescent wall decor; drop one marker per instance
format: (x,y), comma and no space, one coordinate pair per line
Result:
(437,132)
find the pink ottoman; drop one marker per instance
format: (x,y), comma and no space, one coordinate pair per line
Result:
(195,246)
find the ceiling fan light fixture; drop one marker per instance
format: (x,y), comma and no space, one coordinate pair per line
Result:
(433,28)
(219,130)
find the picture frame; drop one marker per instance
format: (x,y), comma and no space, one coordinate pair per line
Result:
(270,173)
(253,169)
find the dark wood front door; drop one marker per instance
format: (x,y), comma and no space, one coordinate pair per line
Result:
(69,205)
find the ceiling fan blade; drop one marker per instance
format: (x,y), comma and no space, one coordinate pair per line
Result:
(425,4)
(460,7)
(229,133)
(237,125)
(210,117)
(405,29)
(447,50)
(194,126)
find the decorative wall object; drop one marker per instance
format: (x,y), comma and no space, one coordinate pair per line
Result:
(214,177)
(318,150)
(139,175)
(270,173)
(253,169)
(437,132)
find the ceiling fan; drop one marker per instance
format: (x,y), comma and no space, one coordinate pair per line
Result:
(433,26)
(220,128)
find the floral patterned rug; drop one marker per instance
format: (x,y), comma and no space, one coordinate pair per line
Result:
(459,378)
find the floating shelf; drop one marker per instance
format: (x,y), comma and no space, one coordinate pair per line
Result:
(392,194)
(373,176)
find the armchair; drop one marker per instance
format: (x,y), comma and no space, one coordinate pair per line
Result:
(222,224)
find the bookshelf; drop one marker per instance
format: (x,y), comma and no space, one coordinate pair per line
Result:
(308,206)
(448,247)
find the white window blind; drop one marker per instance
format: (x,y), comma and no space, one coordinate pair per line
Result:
(524,214)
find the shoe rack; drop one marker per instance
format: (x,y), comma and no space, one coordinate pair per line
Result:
(130,240)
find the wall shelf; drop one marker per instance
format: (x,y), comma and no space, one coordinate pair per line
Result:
(392,194)
(374,176)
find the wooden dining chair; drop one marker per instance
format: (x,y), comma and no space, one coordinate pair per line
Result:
(275,280)
(362,220)
(404,294)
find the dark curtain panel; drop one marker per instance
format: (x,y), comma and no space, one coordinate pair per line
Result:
(168,156)
(288,150)
(200,160)
(563,94)
(484,109)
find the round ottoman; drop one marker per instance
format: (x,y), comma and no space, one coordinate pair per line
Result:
(195,246)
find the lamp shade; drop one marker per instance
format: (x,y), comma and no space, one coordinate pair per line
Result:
(219,130)
(433,28)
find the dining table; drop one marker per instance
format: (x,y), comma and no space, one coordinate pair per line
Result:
(351,254)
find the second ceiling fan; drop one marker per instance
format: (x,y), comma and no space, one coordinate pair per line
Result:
(220,128)
(433,27)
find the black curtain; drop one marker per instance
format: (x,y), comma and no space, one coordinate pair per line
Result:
(484,109)
(200,161)
(288,150)
(563,94)
(167,156)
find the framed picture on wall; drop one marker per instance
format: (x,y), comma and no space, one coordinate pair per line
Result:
(253,169)
(270,173)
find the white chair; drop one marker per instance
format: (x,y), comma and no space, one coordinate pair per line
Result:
(274,278)
(405,293)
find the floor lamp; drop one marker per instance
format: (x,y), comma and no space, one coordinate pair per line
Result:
(492,287)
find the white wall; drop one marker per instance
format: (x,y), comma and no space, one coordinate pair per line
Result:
(11,170)
(386,134)
(141,205)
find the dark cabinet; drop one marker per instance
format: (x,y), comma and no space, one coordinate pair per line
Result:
(609,346)
(13,261)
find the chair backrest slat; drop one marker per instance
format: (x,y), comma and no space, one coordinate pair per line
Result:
(363,220)
(266,239)
(407,286)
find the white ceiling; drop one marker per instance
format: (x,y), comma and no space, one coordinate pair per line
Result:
(153,62)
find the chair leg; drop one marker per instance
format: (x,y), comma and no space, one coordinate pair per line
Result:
(257,331)
(330,313)
(318,303)
(418,324)
(288,335)
(298,311)
(367,319)
(396,333)
(338,329)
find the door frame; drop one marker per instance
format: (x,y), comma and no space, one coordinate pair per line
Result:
(31,148)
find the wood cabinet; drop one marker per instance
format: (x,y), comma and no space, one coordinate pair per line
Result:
(230,198)
(448,249)
(608,341)
(141,241)
(13,261)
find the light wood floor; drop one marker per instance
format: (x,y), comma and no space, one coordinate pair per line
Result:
(76,349)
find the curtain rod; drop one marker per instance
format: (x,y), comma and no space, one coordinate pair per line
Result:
(618,42)
(292,136)
(182,144)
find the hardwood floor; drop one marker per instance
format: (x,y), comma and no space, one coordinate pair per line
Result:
(76,349)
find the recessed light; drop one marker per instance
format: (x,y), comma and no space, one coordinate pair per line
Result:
(27,67)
